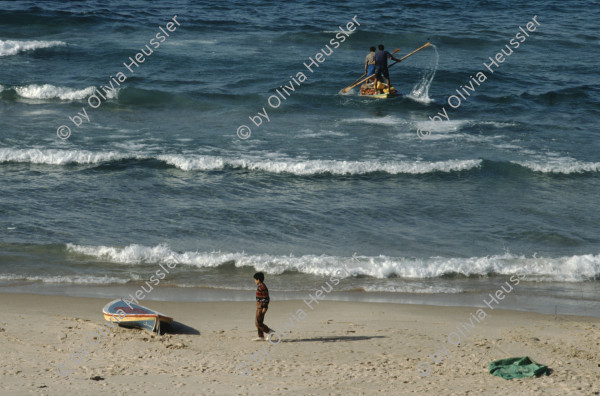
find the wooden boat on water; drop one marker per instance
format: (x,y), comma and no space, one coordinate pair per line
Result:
(367,90)
(128,314)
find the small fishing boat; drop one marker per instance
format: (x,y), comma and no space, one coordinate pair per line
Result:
(367,90)
(128,314)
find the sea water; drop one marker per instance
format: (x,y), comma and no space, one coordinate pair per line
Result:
(510,183)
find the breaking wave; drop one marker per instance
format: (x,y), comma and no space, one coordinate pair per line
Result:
(210,163)
(13,47)
(48,91)
(567,269)
(293,166)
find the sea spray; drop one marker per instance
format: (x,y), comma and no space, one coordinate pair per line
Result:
(420,92)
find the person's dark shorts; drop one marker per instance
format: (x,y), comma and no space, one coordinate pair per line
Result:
(379,71)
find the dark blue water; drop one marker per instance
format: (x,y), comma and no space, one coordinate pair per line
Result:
(158,174)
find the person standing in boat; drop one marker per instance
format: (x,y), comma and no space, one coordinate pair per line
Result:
(369,71)
(381,66)
(370,63)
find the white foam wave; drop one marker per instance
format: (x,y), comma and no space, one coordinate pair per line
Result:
(48,91)
(560,165)
(208,163)
(439,128)
(132,254)
(497,124)
(387,120)
(309,133)
(567,269)
(73,279)
(443,126)
(13,47)
(413,289)
(193,42)
(199,162)
(337,31)
(313,167)
(57,157)
(436,127)
(507,146)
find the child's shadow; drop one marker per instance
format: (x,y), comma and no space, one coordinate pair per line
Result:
(333,339)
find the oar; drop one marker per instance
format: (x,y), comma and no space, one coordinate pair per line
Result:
(400,60)
(359,78)
(352,85)
(406,56)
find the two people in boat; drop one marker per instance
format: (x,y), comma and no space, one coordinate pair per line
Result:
(376,66)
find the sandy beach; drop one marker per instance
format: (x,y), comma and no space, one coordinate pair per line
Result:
(339,348)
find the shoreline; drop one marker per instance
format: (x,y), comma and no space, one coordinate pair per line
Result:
(347,347)
(516,301)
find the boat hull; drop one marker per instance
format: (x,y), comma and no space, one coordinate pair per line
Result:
(132,315)
(381,96)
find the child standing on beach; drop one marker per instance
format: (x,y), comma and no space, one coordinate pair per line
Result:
(262,304)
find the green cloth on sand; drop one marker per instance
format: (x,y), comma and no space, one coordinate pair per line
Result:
(518,367)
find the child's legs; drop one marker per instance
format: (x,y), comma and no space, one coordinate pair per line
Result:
(261,310)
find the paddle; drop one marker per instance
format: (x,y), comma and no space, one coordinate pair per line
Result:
(406,56)
(364,74)
(400,60)
(352,85)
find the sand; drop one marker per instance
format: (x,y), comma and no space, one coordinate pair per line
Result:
(338,348)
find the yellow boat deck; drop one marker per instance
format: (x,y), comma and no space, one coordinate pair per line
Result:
(367,91)
(381,95)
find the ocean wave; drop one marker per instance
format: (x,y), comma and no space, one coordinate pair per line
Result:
(48,91)
(311,134)
(413,289)
(498,124)
(566,94)
(58,157)
(567,269)
(192,42)
(13,47)
(72,279)
(436,127)
(196,162)
(560,165)
(209,163)
(314,167)
(386,120)
(132,254)
(283,165)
